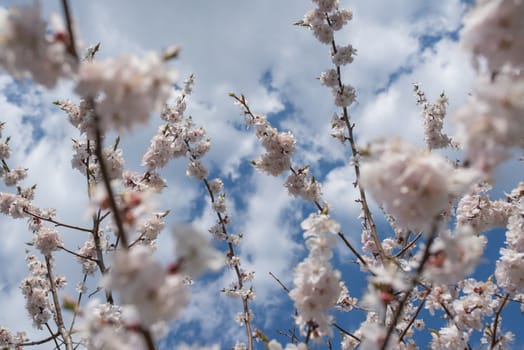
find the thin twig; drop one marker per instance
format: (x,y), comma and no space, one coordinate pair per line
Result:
(403,301)
(78,255)
(409,245)
(78,300)
(279,282)
(408,326)
(107,184)
(369,222)
(494,340)
(353,250)
(245,305)
(71,47)
(345,332)
(99,254)
(39,342)
(58,311)
(55,338)
(55,222)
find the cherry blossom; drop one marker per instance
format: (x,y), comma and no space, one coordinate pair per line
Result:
(126,89)
(414,186)
(28,48)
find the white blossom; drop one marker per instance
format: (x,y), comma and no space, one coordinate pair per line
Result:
(28,47)
(47,240)
(454,256)
(493,29)
(414,186)
(126,89)
(195,252)
(491,122)
(144,284)
(449,338)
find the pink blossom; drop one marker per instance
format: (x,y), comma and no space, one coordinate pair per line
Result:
(194,251)
(28,49)
(414,186)
(492,29)
(47,240)
(126,89)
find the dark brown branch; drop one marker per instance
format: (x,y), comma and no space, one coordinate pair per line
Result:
(78,255)
(494,340)
(55,222)
(58,311)
(409,245)
(107,184)
(407,294)
(71,46)
(279,282)
(39,342)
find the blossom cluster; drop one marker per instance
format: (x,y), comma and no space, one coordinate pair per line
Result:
(491,123)
(415,186)
(433,114)
(279,146)
(317,283)
(31,48)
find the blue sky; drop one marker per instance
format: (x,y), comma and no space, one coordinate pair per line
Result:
(249,48)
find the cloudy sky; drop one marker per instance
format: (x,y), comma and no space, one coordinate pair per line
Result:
(248,47)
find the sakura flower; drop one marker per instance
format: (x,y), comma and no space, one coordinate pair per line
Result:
(454,256)
(317,20)
(279,146)
(433,114)
(343,55)
(492,29)
(479,301)
(216,186)
(81,116)
(449,338)
(5,151)
(317,284)
(88,250)
(326,5)
(104,326)
(320,235)
(152,226)
(414,186)
(329,78)
(14,176)
(383,287)
(35,289)
(28,48)
(196,169)
(13,205)
(491,122)
(509,270)
(345,96)
(194,251)
(299,185)
(340,18)
(47,240)
(316,291)
(482,214)
(10,340)
(144,284)
(373,335)
(220,205)
(126,89)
